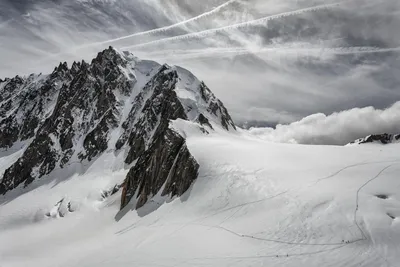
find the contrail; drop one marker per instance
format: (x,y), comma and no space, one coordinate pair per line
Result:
(362,50)
(243,51)
(162,29)
(158,30)
(206,33)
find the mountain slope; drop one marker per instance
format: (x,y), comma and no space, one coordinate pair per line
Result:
(254,203)
(115,103)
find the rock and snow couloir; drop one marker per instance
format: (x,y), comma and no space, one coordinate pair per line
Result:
(115,103)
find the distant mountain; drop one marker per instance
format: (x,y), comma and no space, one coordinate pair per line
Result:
(114,103)
(379,138)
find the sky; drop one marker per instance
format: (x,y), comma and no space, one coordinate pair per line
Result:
(270,61)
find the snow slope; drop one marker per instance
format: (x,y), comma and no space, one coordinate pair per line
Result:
(255,203)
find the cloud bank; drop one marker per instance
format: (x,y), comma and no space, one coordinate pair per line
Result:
(336,129)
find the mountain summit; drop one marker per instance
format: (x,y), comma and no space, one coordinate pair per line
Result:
(115,103)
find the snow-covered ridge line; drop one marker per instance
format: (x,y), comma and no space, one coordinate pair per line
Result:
(116,103)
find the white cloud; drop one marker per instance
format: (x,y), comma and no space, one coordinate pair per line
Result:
(335,129)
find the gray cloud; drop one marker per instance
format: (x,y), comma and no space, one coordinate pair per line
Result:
(270,61)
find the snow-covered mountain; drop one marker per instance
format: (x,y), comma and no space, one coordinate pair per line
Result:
(117,103)
(196,190)
(379,138)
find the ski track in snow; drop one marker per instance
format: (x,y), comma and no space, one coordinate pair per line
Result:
(337,245)
(352,166)
(364,236)
(299,236)
(271,255)
(260,21)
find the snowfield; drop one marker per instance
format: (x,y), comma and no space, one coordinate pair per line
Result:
(255,203)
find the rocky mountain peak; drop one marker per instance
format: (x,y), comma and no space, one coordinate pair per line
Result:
(62,67)
(384,138)
(116,102)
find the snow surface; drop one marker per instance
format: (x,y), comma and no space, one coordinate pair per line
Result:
(255,203)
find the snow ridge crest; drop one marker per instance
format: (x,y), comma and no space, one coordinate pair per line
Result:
(116,102)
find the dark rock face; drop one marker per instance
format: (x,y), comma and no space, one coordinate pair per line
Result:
(105,194)
(115,103)
(71,104)
(216,107)
(161,107)
(163,158)
(204,121)
(167,163)
(39,154)
(380,138)
(25,103)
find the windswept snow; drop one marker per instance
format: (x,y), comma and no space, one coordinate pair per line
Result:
(255,203)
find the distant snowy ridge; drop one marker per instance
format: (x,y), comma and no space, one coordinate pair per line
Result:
(379,138)
(117,103)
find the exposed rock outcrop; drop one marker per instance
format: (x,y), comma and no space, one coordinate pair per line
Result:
(115,103)
(78,111)
(379,138)
(167,165)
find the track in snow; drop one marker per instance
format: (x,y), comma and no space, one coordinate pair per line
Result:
(337,246)
(364,236)
(273,255)
(240,206)
(355,165)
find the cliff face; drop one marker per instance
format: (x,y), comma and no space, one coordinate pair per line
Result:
(167,166)
(117,102)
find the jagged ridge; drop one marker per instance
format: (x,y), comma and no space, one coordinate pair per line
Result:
(116,102)
(381,138)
